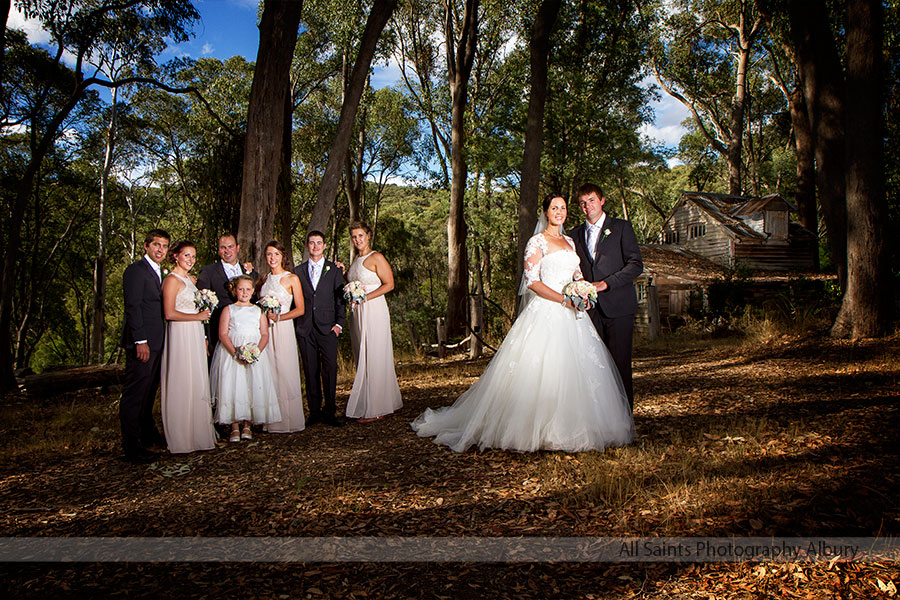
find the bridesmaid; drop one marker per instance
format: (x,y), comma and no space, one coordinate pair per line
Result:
(375,392)
(282,348)
(186,409)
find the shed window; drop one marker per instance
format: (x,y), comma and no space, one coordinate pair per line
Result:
(698,230)
(670,237)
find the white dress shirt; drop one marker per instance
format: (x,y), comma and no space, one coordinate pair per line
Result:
(315,271)
(593,234)
(232,271)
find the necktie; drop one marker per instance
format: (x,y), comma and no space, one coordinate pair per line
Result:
(593,231)
(314,276)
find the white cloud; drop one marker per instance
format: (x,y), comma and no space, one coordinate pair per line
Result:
(668,113)
(32,27)
(35,33)
(668,135)
(207,49)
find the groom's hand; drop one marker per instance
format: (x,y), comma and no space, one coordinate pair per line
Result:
(336,330)
(601,286)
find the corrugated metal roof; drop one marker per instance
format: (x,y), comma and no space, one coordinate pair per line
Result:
(679,262)
(714,206)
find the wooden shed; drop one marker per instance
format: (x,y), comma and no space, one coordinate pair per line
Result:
(673,283)
(740,231)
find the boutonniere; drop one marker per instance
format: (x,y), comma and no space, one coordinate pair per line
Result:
(606,232)
(326,269)
(164,272)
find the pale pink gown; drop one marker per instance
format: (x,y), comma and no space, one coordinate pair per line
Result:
(186,410)
(375,392)
(285,361)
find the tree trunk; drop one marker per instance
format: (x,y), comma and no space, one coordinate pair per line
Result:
(529,194)
(98,318)
(735,144)
(460,57)
(5,6)
(806,166)
(265,127)
(820,71)
(378,17)
(865,311)
(283,211)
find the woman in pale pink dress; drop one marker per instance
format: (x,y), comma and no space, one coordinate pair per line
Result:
(375,392)
(282,348)
(186,408)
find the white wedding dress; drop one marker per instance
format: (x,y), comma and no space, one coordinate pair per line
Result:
(552,384)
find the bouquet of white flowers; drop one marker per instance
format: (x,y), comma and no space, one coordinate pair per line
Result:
(354,293)
(270,304)
(582,294)
(205,299)
(247,354)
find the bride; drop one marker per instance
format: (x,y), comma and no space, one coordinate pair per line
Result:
(552,384)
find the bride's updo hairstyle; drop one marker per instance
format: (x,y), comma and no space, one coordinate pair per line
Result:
(549,198)
(178,247)
(277,245)
(232,285)
(361,225)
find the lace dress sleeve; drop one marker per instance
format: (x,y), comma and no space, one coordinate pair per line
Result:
(534,252)
(577,275)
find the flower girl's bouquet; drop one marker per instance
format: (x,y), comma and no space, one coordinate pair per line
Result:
(354,293)
(206,299)
(247,354)
(582,294)
(270,304)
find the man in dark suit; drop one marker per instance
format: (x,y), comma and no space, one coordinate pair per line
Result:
(142,339)
(215,276)
(318,328)
(611,260)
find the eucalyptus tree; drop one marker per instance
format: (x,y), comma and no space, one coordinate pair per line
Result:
(704,48)
(596,101)
(390,138)
(266,115)
(379,14)
(77,30)
(194,150)
(539,47)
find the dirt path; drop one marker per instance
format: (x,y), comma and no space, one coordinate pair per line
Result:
(791,438)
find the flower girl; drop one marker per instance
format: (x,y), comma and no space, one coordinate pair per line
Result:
(241,377)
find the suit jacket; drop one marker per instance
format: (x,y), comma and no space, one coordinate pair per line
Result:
(213,277)
(325,306)
(144,319)
(617,262)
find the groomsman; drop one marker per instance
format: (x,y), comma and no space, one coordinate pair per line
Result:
(142,339)
(215,276)
(322,282)
(611,260)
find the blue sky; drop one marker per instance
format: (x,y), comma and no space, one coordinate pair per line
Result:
(228,28)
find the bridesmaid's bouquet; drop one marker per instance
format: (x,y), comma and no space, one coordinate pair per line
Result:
(354,293)
(270,304)
(247,354)
(582,294)
(205,299)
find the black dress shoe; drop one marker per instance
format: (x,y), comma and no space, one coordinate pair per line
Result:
(333,421)
(157,442)
(141,456)
(314,418)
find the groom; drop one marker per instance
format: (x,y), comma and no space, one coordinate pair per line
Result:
(318,328)
(611,260)
(142,338)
